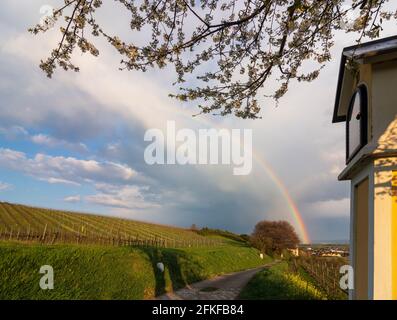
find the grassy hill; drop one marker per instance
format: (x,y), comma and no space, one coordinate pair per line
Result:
(20,222)
(113,272)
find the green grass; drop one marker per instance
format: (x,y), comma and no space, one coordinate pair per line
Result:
(105,272)
(277,283)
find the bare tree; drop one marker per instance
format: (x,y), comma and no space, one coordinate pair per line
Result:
(274,236)
(232,48)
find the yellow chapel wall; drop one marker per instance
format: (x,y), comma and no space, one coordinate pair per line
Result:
(384,129)
(384,229)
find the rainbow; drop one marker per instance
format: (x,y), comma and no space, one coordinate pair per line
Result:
(292,207)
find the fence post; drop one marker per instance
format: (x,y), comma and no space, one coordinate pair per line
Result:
(44,232)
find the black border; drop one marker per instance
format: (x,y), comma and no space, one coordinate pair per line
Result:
(253,309)
(362,90)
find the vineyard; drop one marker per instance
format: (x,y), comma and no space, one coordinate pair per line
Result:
(325,272)
(47,226)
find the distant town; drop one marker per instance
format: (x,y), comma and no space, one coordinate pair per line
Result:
(324,250)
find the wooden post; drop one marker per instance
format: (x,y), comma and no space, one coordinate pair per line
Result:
(44,232)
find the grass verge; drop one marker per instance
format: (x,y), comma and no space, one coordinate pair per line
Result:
(277,283)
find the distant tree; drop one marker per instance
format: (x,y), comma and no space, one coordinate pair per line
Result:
(274,236)
(193,227)
(241,44)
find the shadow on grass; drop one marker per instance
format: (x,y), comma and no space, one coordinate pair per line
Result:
(180,269)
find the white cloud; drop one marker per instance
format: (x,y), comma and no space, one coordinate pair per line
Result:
(57,180)
(76,198)
(59,169)
(127,197)
(4,186)
(48,141)
(112,181)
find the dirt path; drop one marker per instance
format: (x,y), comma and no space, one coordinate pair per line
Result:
(225,287)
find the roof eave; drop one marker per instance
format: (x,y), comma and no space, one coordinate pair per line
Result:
(336,118)
(346,53)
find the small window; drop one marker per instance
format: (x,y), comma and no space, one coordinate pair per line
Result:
(356,125)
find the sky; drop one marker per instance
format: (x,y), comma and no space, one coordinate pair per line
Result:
(76,141)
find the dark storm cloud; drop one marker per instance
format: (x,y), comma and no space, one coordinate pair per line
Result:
(29,99)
